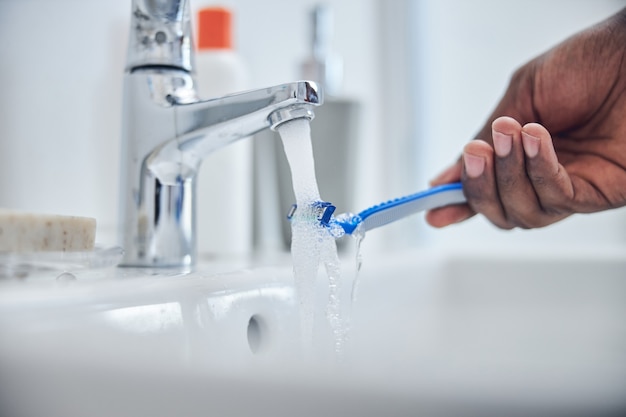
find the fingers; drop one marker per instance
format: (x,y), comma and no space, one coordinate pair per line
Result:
(518,200)
(479,182)
(518,182)
(552,184)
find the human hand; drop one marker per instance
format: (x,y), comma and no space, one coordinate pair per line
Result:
(556,143)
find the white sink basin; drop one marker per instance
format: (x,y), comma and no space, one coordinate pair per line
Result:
(431,334)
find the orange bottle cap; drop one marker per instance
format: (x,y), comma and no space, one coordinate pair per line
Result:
(214,28)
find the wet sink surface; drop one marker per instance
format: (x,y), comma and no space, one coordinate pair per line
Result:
(430,334)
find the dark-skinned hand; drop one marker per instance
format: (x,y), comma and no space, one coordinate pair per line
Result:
(556,143)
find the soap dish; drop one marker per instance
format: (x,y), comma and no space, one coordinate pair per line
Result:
(25,264)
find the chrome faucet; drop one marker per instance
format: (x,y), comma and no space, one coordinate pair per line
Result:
(168,130)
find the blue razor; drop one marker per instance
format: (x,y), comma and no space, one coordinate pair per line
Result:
(390,211)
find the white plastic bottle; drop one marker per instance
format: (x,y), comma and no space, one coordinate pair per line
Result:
(224,183)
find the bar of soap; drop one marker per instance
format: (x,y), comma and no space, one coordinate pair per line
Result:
(29,232)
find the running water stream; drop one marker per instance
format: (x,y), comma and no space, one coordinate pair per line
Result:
(311,242)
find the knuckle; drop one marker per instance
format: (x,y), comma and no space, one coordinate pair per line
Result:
(521,221)
(537,219)
(557,211)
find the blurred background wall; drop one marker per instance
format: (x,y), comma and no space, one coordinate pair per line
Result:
(412,64)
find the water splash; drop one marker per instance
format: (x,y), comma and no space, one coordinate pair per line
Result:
(358,235)
(311,243)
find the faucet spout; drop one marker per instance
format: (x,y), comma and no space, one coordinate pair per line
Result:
(206,126)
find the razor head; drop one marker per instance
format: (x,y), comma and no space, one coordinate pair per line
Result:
(323,212)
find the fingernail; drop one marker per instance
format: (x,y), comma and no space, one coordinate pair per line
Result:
(474,165)
(502,143)
(531,145)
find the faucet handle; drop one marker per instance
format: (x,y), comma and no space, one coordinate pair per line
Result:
(160,35)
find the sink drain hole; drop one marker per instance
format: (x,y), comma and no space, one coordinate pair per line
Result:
(257,334)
